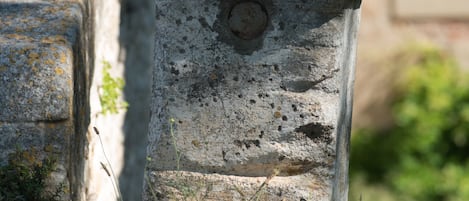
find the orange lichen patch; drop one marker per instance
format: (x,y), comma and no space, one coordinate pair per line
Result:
(51,9)
(41,20)
(48,115)
(24,20)
(277,114)
(29,28)
(7,23)
(34,69)
(59,71)
(49,62)
(18,36)
(213,76)
(63,58)
(51,88)
(51,126)
(12,59)
(49,148)
(54,39)
(196,143)
(60,97)
(61,39)
(66,191)
(33,57)
(44,54)
(31,156)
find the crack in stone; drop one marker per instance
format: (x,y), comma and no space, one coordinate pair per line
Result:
(301,86)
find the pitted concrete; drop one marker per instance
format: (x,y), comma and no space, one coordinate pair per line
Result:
(230,103)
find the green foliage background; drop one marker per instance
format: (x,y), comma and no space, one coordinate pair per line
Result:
(424,156)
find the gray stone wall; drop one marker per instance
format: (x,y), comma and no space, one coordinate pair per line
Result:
(49,93)
(43,54)
(250,98)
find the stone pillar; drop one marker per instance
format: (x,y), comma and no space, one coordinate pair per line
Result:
(251,100)
(136,37)
(43,106)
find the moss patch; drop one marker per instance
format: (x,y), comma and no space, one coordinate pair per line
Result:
(25,176)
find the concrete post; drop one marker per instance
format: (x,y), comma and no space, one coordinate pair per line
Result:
(251,100)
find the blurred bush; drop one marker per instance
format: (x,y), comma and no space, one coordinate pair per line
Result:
(425,154)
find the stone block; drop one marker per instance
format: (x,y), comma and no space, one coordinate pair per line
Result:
(245,91)
(36,82)
(36,60)
(39,43)
(47,138)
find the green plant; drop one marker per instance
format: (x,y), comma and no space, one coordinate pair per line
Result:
(110,91)
(111,174)
(149,183)
(173,138)
(25,176)
(424,156)
(187,190)
(257,196)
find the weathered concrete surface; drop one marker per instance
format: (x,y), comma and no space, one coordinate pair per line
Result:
(233,107)
(40,44)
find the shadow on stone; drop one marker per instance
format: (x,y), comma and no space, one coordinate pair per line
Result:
(136,39)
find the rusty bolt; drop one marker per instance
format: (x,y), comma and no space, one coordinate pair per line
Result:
(247,20)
